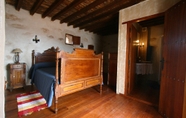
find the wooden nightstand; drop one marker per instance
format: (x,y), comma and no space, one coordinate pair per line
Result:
(17,75)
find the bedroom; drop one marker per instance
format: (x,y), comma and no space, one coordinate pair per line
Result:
(36,46)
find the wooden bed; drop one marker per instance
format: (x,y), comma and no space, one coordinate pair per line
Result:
(74,71)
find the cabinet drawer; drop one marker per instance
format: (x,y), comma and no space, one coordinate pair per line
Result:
(17,66)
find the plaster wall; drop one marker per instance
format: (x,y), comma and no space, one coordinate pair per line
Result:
(21,28)
(2,49)
(143,9)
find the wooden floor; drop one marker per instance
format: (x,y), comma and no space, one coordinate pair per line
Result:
(146,91)
(86,104)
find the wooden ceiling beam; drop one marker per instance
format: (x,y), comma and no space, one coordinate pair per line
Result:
(112,11)
(79,20)
(83,10)
(93,26)
(96,25)
(66,9)
(111,29)
(101,22)
(52,7)
(36,6)
(91,20)
(18,4)
(104,26)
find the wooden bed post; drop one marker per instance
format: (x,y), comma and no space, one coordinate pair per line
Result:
(56,84)
(33,57)
(56,102)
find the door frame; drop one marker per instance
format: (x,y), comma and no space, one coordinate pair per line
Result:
(127,81)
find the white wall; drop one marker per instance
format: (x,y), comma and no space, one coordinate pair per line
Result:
(2,49)
(21,28)
(143,9)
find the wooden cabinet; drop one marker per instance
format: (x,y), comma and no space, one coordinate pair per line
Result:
(17,75)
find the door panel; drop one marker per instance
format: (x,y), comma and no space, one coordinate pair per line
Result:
(112,70)
(132,56)
(173,73)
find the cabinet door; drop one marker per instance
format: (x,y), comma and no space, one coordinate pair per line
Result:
(18,77)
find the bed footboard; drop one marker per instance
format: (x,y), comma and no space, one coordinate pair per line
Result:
(80,70)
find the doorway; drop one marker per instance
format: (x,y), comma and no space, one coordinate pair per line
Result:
(145,55)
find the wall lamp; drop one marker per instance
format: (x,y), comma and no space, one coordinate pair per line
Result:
(141,44)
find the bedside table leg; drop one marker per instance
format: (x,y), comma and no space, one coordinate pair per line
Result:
(10,86)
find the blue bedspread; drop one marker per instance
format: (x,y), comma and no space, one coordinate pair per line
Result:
(43,77)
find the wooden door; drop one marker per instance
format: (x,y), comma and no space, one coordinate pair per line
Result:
(172,98)
(112,69)
(132,57)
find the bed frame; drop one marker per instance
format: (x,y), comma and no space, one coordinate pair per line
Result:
(76,71)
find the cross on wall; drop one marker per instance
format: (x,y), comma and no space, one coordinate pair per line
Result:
(36,39)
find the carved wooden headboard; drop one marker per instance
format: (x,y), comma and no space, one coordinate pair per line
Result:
(48,55)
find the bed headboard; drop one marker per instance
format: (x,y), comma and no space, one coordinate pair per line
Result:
(48,55)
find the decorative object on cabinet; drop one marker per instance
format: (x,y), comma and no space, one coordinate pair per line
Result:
(72,40)
(36,39)
(17,73)
(81,45)
(16,56)
(91,47)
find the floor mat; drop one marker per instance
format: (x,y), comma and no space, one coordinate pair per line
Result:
(28,103)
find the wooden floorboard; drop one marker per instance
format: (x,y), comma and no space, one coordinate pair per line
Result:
(86,104)
(146,91)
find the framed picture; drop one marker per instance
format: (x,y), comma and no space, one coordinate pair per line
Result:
(72,40)
(69,39)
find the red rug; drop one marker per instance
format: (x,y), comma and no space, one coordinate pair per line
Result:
(30,102)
